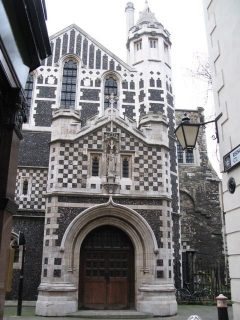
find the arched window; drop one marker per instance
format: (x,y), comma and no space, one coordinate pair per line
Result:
(95,166)
(25,187)
(69,80)
(110,92)
(125,167)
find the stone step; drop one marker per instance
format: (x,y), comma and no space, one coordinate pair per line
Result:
(110,314)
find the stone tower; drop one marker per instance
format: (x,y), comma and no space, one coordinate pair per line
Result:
(148,51)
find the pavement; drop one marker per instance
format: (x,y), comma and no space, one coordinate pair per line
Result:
(184,312)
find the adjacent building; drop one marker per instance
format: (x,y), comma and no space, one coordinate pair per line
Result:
(222,22)
(23,43)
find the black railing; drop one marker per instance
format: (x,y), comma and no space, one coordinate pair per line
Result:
(206,285)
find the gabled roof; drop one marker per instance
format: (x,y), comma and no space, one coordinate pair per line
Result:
(127,125)
(99,45)
(98,123)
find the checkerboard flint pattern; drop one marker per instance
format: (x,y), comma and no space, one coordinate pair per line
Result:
(70,162)
(37,182)
(148,164)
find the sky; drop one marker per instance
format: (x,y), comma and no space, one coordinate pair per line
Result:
(105,21)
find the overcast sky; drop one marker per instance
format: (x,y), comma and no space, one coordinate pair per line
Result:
(105,21)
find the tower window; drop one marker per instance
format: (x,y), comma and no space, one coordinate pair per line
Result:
(153,43)
(95,166)
(138,45)
(110,92)
(69,79)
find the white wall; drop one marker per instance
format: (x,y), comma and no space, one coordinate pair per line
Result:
(223,25)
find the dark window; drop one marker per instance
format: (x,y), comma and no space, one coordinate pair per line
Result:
(95,166)
(189,156)
(125,168)
(159,273)
(25,187)
(68,92)
(138,45)
(180,153)
(110,92)
(185,156)
(153,43)
(160,262)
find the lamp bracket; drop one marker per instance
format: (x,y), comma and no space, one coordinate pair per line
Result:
(216,136)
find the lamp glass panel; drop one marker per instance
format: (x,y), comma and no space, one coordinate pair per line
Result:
(190,133)
(180,136)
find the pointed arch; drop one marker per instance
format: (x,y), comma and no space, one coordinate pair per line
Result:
(111,88)
(112,214)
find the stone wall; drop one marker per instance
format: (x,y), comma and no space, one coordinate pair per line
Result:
(201,220)
(32,225)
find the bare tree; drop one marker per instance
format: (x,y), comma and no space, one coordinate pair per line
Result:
(201,69)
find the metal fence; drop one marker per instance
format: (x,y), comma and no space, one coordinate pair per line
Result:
(205,285)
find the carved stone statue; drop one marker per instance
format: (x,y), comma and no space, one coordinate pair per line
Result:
(111,161)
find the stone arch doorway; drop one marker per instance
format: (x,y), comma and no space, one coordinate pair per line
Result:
(106,272)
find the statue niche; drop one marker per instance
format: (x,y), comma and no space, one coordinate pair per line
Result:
(111,154)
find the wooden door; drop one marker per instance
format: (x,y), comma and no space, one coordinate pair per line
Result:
(106,270)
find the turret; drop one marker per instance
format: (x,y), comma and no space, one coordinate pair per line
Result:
(148,46)
(147,40)
(129,16)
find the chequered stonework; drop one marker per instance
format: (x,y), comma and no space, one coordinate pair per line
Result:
(70,163)
(37,184)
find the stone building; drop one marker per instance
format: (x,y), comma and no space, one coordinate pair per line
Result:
(98,187)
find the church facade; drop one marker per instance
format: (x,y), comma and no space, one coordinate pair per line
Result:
(97,186)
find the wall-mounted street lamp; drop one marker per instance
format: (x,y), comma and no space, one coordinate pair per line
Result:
(187,132)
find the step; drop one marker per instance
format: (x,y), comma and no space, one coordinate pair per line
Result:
(110,314)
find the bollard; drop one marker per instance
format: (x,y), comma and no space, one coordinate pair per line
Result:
(222,307)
